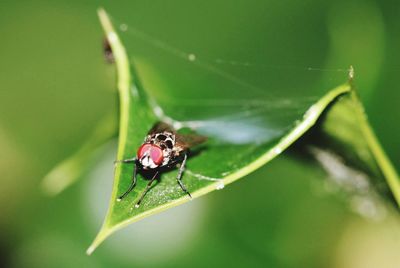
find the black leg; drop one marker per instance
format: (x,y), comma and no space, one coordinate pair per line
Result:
(129,160)
(145,190)
(180,173)
(133,183)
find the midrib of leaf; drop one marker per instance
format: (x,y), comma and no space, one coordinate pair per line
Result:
(379,157)
(124,82)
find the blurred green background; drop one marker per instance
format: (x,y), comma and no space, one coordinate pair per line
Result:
(56,86)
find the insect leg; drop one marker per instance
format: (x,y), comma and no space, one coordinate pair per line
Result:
(129,160)
(145,190)
(179,177)
(133,183)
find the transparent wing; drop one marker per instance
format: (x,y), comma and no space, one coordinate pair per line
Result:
(160,127)
(189,140)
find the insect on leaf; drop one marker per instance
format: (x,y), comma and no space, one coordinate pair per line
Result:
(139,113)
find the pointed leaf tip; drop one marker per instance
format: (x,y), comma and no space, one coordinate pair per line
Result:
(351,73)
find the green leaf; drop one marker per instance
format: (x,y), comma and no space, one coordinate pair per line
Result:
(226,158)
(344,143)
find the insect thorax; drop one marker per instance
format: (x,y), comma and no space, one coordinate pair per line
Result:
(166,141)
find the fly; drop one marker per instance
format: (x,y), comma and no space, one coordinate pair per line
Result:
(162,147)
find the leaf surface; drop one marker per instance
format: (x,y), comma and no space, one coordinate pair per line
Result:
(237,144)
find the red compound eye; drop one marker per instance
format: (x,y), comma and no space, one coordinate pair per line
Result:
(156,153)
(143,149)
